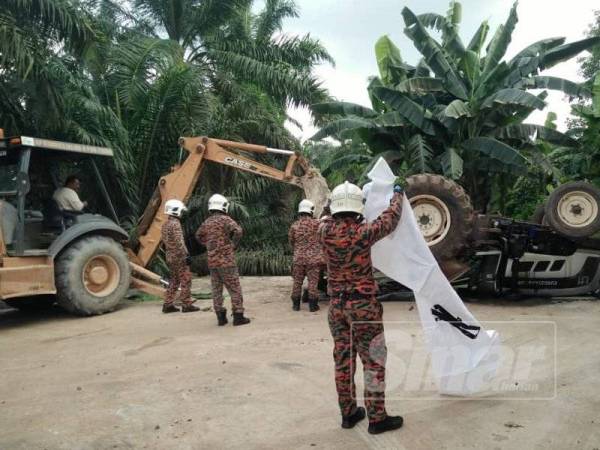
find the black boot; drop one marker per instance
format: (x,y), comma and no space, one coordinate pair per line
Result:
(388,424)
(189,308)
(239,319)
(295,304)
(169,308)
(313,305)
(353,419)
(305,296)
(222,318)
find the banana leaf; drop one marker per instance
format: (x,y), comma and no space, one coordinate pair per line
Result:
(414,113)
(527,132)
(452,164)
(514,97)
(490,166)
(338,126)
(420,85)
(343,109)
(479,38)
(375,102)
(537,48)
(471,67)
(496,150)
(388,55)
(391,119)
(457,109)
(491,81)
(567,51)
(521,70)
(451,41)
(499,44)
(433,53)
(420,154)
(434,21)
(422,69)
(544,161)
(558,84)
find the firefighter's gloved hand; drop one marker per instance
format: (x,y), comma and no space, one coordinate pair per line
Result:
(188,260)
(398,189)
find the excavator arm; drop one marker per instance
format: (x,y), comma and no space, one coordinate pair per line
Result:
(182,180)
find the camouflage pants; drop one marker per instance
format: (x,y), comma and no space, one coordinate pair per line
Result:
(299,271)
(356,328)
(181,277)
(230,278)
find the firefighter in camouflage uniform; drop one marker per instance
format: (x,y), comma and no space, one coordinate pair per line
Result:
(220,234)
(308,255)
(178,259)
(355,314)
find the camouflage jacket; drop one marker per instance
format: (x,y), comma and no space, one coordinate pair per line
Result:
(220,234)
(347,244)
(173,240)
(304,239)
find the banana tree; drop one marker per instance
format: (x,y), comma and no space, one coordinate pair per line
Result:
(467,103)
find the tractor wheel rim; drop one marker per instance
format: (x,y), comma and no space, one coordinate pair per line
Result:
(433,217)
(577,209)
(101,275)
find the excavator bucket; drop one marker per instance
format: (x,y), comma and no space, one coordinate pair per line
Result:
(316,190)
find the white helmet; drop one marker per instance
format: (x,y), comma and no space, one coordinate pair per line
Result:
(218,203)
(174,208)
(306,207)
(347,197)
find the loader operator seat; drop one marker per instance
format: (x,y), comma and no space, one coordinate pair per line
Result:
(8,217)
(53,216)
(56,219)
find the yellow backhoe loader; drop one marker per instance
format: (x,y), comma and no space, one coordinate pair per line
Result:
(85,261)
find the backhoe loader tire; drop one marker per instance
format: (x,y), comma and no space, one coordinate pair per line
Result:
(92,275)
(444,213)
(573,209)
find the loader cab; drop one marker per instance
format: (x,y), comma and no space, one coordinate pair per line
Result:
(31,169)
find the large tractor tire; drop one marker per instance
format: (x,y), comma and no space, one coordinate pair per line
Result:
(92,276)
(573,209)
(444,213)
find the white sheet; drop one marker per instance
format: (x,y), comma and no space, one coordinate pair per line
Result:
(462,364)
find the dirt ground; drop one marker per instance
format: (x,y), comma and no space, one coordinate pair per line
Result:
(137,378)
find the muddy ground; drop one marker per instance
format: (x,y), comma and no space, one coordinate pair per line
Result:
(137,378)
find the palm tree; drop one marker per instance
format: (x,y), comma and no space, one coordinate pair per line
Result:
(460,111)
(43,89)
(233,80)
(226,36)
(36,37)
(136,76)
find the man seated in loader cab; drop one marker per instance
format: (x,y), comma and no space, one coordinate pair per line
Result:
(67,197)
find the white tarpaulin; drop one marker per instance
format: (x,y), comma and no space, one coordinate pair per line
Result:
(464,356)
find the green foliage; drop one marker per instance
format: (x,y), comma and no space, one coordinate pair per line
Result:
(389,60)
(467,108)
(583,163)
(524,197)
(338,163)
(590,65)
